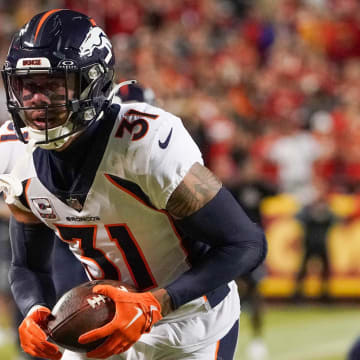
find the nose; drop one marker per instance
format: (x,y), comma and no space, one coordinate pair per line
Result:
(40,97)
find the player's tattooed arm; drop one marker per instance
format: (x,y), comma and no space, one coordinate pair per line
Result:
(198,187)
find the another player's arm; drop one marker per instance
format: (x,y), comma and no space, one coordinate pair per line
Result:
(206,211)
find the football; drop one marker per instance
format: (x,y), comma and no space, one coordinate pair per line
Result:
(80,310)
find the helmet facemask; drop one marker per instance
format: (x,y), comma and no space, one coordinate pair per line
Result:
(56,104)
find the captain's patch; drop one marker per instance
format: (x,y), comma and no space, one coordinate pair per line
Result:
(44,208)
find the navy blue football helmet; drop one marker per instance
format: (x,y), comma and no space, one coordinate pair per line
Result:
(59,44)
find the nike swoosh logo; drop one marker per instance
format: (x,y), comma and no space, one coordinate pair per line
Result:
(165,144)
(139,313)
(152,308)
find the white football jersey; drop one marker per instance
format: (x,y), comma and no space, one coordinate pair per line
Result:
(121,230)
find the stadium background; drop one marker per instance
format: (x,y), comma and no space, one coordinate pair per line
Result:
(270,91)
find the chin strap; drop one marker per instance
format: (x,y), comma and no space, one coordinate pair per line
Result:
(109,99)
(10,183)
(118,86)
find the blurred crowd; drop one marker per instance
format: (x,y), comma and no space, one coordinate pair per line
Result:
(269,89)
(273,82)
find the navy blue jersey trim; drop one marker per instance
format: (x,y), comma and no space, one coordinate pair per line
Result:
(69,174)
(216,296)
(22,197)
(132,188)
(227,345)
(8,137)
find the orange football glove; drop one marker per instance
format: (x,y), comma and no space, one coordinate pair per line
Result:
(135,314)
(33,337)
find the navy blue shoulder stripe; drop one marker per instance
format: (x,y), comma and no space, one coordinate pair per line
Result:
(133,188)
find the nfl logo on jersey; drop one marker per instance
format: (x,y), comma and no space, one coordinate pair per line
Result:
(74,203)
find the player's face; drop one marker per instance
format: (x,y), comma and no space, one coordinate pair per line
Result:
(47,95)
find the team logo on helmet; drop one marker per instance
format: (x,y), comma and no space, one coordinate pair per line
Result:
(96,39)
(24,29)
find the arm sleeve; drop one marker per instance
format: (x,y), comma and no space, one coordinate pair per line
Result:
(30,269)
(237,246)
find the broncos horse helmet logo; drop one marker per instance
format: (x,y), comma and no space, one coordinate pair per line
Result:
(95,39)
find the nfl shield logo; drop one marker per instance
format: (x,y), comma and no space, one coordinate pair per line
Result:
(74,203)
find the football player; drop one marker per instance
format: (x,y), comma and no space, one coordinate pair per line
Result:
(125,187)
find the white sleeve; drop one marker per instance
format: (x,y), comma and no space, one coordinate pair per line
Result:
(11,148)
(12,151)
(172,153)
(5,162)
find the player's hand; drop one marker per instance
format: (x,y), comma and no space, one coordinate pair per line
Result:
(135,315)
(33,338)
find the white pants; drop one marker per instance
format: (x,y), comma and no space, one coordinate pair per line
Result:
(193,337)
(146,352)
